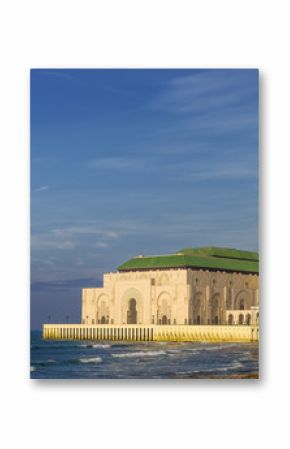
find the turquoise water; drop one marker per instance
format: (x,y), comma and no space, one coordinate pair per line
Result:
(143,360)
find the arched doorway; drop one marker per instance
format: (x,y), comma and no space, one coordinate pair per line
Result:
(248,319)
(197,309)
(230,319)
(241,319)
(103,310)
(164,303)
(215,309)
(132,312)
(164,320)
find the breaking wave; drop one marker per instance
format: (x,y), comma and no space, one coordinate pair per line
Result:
(220,347)
(232,366)
(139,354)
(97,345)
(183,351)
(91,360)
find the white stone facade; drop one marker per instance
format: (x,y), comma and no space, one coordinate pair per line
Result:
(173,296)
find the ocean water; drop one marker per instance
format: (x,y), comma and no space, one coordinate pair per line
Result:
(53,359)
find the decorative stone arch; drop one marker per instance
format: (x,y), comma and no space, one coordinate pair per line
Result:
(242,300)
(164,308)
(103,309)
(132,307)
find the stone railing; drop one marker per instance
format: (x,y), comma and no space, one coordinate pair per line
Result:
(132,332)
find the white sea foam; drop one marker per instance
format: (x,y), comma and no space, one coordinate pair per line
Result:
(184,351)
(234,365)
(51,361)
(97,345)
(101,346)
(220,347)
(91,360)
(139,354)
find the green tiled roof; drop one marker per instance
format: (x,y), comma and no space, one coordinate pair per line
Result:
(228,253)
(224,259)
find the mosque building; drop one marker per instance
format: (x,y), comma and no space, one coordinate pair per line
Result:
(195,286)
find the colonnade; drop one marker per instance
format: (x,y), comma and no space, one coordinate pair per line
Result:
(151,333)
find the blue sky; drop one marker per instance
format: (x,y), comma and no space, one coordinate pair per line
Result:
(128,162)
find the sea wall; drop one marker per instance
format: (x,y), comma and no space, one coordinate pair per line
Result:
(133,332)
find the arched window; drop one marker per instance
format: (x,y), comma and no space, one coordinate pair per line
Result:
(198,319)
(248,319)
(230,319)
(242,304)
(241,319)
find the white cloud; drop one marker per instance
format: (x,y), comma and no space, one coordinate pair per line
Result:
(112,234)
(101,245)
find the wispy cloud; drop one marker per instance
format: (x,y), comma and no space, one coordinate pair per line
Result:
(117,163)
(46,241)
(214,101)
(226,171)
(207,91)
(71,236)
(101,245)
(40,189)
(65,284)
(189,169)
(88,228)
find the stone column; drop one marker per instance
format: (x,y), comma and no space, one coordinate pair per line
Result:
(224,306)
(257,298)
(207,293)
